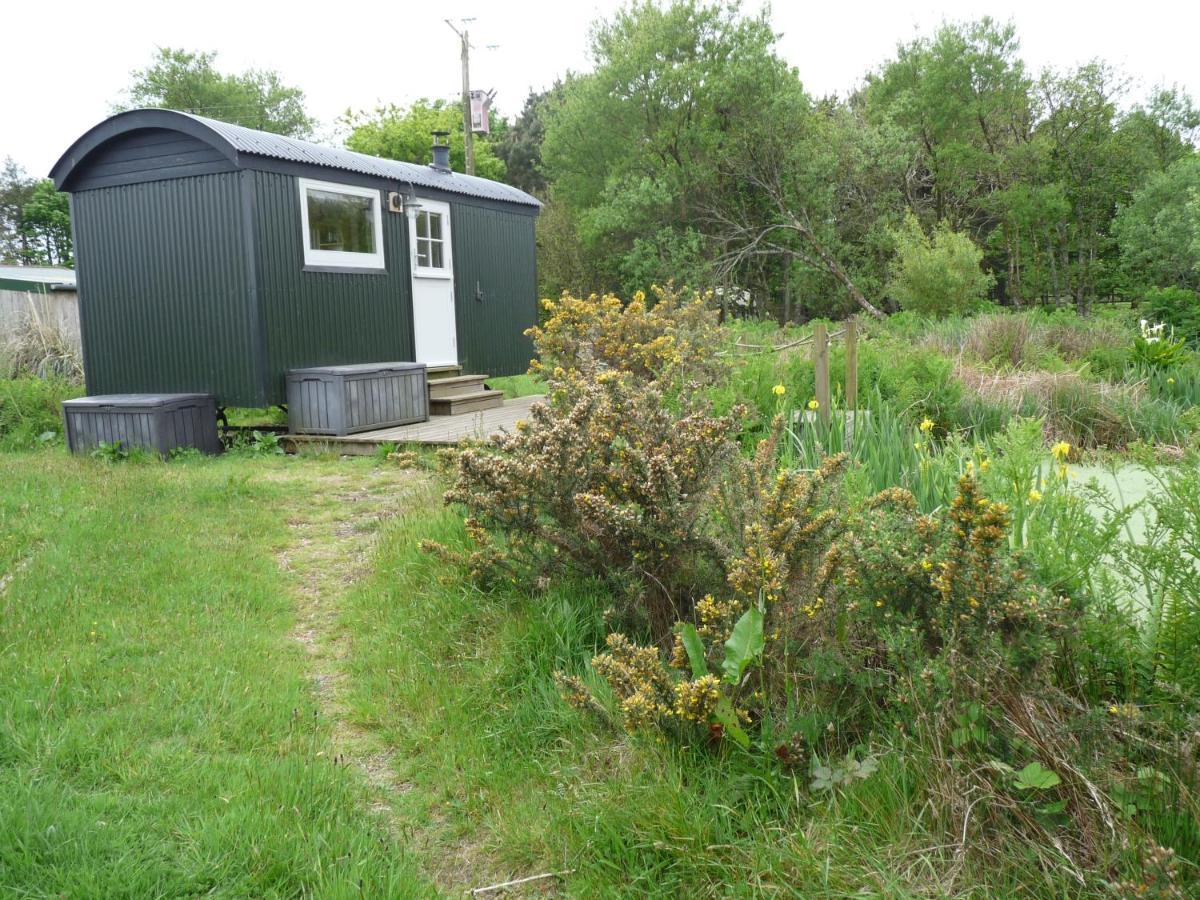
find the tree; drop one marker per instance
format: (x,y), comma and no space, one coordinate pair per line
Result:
(403,133)
(962,99)
(937,274)
(45,226)
(1158,228)
(521,145)
(16,188)
(187,81)
(637,148)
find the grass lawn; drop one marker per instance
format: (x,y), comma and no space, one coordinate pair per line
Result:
(159,734)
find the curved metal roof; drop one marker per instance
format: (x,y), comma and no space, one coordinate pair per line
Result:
(240,145)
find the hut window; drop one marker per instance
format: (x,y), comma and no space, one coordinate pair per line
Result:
(430,240)
(341,225)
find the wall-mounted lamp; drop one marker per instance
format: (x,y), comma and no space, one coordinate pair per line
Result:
(400,202)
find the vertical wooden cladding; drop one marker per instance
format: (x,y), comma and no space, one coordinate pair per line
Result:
(164,287)
(495,286)
(314,318)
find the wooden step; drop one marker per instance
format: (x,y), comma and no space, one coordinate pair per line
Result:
(435,373)
(445,388)
(464,403)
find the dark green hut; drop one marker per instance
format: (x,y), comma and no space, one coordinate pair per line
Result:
(214,258)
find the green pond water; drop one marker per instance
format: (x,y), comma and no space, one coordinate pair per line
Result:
(1127,486)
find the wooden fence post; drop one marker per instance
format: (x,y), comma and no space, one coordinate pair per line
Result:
(821,370)
(851,365)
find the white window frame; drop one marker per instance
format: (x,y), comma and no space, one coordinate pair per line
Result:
(442,209)
(341,259)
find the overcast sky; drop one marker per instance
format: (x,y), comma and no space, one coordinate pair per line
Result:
(66,63)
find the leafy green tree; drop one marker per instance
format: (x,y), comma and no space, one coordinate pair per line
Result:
(962,99)
(639,146)
(1166,125)
(190,82)
(16,188)
(521,145)
(937,274)
(1157,229)
(45,226)
(403,133)
(813,197)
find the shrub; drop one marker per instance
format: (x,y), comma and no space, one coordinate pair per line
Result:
(606,480)
(923,386)
(612,476)
(949,580)
(1178,308)
(848,623)
(670,341)
(936,275)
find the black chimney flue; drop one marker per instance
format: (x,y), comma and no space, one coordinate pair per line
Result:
(441,151)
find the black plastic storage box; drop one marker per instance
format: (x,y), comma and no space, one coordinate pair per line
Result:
(160,422)
(340,400)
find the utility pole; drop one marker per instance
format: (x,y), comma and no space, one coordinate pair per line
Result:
(468,134)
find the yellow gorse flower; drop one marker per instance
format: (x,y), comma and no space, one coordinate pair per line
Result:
(779,390)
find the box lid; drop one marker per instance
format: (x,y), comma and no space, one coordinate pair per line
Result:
(135,401)
(358,368)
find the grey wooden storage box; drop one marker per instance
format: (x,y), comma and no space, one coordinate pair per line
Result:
(340,400)
(160,422)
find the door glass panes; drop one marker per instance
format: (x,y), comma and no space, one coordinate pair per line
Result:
(430,251)
(341,222)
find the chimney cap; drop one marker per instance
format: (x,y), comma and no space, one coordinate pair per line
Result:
(441,151)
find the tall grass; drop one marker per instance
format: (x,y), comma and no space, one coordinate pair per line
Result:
(31,411)
(41,349)
(886,448)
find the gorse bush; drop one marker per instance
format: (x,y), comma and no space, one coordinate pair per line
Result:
(949,581)
(613,475)
(604,479)
(669,340)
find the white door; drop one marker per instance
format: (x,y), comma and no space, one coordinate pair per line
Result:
(433,284)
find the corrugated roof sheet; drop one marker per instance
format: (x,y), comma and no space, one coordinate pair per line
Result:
(48,275)
(275,146)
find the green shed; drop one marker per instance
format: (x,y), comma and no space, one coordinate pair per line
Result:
(214,258)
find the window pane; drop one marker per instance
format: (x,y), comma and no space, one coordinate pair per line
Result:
(340,222)
(422,252)
(422,224)
(435,225)
(436,247)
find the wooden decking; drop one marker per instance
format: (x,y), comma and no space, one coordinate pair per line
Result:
(438,430)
